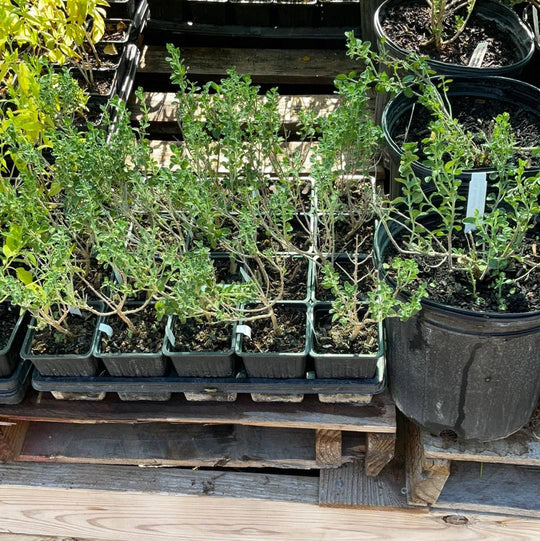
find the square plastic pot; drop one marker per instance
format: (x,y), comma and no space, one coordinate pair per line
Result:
(9,354)
(277,365)
(343,365)
(200,364)
(13,388)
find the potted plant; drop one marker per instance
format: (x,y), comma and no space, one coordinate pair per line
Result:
(467,362)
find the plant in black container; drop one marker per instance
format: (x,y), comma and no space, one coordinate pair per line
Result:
(467,362)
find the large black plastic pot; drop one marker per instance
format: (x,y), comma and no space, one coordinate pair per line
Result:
(9,354)
(505,18)
(475,374)
(491,88)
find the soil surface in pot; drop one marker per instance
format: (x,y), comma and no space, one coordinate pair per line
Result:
(290,336)
(331,338)
(108,56)
(115,31)
(408,26)
(147,336)
(92,115)
(477,116)
(295,274)
(227,270)
(299,237)
(198,336)
(94,276)
(345,270)
(102,83)
(454,289)
(50,342)
(345,235)
(9,315)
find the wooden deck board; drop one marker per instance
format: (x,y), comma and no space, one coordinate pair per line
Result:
(379,416)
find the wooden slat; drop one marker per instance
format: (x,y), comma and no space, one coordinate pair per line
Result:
(349,486)
(492,488)
(328,448)
(379,416)
(272,66)
(11,439)
(523,448)
(379,452)
(162,444)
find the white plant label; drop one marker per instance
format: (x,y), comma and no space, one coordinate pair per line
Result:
(75,311)
(169,334)
(107,329)
(477,58)
(244,274)
(476,199)
(117,275)
(244,329)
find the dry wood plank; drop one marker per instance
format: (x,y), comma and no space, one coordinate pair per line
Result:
(273,66)
(328,448)
(379,452)
(425,476)
(11,439)
(523,448)
(148,504)
(378,416)
(492,488)
(349,486)
(163,117)
(163,444)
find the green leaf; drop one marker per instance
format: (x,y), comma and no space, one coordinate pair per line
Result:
(24,276)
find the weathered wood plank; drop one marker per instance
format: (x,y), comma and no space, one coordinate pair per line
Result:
(379,452)
(349,486)
(378,416)
(163,444)
(425,476)
(328,448)
(272,66)
(492,488)
(11,439)
(523,448)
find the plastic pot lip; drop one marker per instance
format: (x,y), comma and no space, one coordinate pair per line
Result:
(123,354)
(442,67)
(14,332)
(449,309)
(304,353)
(176,354)
(324,307)
(397,150)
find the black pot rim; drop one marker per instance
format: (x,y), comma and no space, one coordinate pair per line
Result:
(449,309)
(472,71)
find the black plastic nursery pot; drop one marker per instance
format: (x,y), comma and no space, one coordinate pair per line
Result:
(475,375)
(9,354)
(342,365)
(274,364)
(13,388)
(505,18)
(503,90)
(200,364)
(66,364)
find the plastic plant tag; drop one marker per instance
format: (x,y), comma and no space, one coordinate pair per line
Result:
(75,311)
(476,199)
(244,274)
(117,275)
(477,58)
(107,329)
(170,336)
(244,329)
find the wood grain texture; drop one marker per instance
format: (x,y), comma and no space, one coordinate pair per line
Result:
(274,66)
(328,448)
(11,440)
(523,448)
(162,444)
(378,416)
(425,476)
(492,488)
(349,486)
(379,452)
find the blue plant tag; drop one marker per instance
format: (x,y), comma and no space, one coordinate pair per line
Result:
(476,199)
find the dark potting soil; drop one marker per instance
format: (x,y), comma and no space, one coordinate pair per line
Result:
(199,336)
(345,270)
(9,315)
(454,289)
(408,26)
(50,342)
(330,338)
(299,236)
(290,336)
(346,232)
(295,275)
(93,115)
(146,338)
(227,270)
(114,31)
(108,56)
(94,275)
(477,115)
(102,83)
